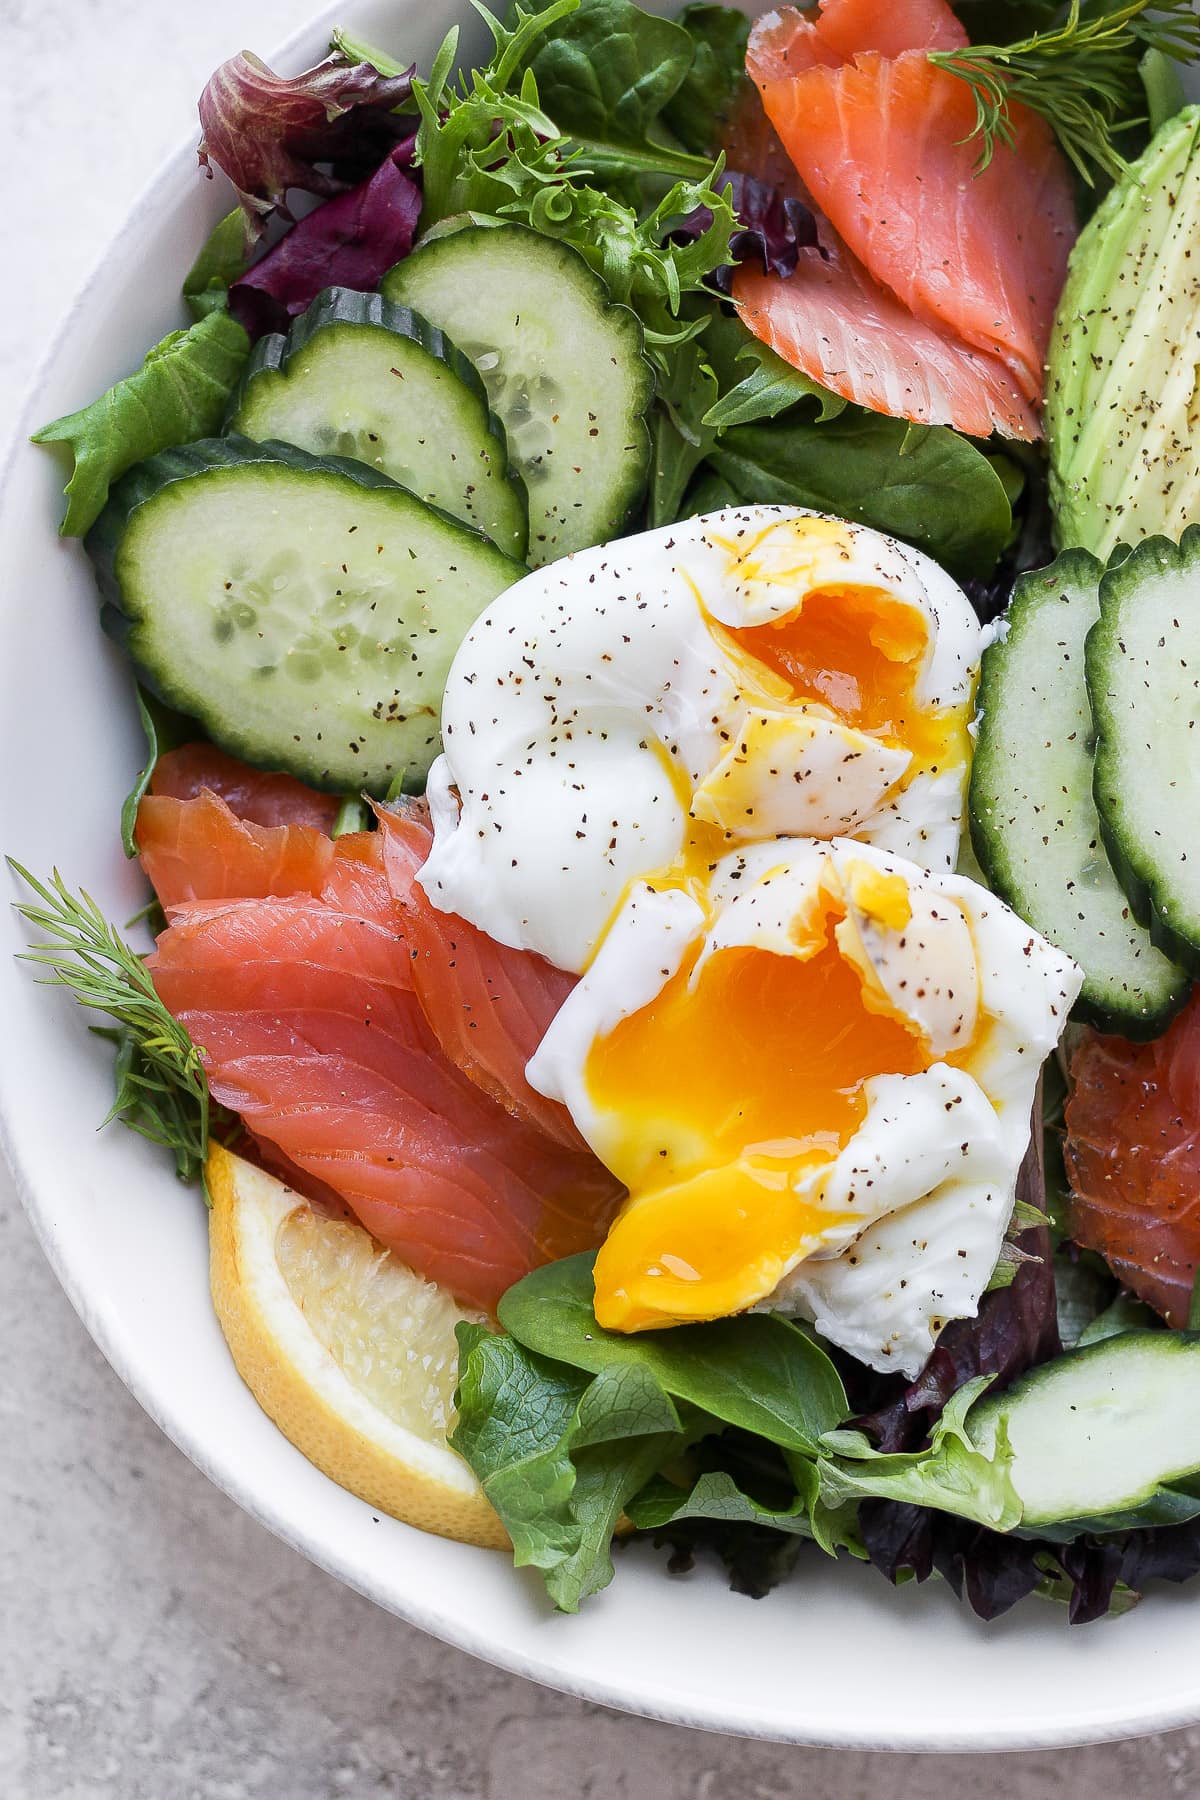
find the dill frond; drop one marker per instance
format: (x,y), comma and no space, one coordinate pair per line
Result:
(1078,76)
(161,1088)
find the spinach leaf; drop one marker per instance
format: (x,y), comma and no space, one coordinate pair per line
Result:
(708,493)
(951,1475)
(178,394)
(222,260)
(757,1371)
(715,1496)
(922,483)
(604,76)
(559,1454)
(491,153)
(716,80)
(165,730)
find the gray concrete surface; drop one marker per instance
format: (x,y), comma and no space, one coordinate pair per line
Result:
(154,1643)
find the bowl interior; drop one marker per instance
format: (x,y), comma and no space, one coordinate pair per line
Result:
(835,1657)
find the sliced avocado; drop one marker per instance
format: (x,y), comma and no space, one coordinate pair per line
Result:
(1123,398)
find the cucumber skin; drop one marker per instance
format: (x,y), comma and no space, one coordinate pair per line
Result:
(1082,567)
(1171,1505)
(641,450)
(347,306)
(149,478)
(1149,905)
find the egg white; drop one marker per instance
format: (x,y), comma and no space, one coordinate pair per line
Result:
(921,1194)
(592,717)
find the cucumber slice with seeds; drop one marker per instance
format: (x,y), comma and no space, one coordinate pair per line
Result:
(358,377)
(1033,818)
(305,610)
(564,369)
(1143,675)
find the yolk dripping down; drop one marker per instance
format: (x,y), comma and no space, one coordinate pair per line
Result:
(744,1073)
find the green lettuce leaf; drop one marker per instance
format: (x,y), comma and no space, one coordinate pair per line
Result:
(559,1454)
(542,176)
(770,386)
(714,1496)
(222,259)
(717,1497)
(951,1475)
(757,1371)
(179,394)
(922,483)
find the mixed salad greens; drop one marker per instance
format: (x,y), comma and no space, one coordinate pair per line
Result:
(516,281)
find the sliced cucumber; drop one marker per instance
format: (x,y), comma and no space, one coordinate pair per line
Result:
(305,610)
(1033,818)
(1106,1437)
(358,377)
(1143,676)
(563,366)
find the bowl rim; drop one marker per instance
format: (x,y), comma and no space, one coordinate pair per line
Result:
(159,197)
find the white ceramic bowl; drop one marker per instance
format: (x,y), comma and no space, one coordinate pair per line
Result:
(835,1657)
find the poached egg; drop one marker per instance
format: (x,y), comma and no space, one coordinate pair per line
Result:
(658,702)
(815,1075)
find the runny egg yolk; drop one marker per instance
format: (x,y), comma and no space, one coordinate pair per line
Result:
(744,1073)
(859,651)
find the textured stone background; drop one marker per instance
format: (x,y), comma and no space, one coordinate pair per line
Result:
(154,1643)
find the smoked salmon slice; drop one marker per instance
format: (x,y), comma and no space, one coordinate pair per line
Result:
(788,42)
(199,849)
(1133,1159)
(254,794)
(374,1047)
(841,328)
(313,1032)
(879,137)
(212,828)
(490,1006)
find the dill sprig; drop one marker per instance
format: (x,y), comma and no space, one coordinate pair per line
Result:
(161,1088)
(1078,75)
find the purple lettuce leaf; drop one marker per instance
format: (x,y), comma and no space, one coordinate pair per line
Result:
(349,241)
(269,132)
(990,1570)
(772,228)
(1094,1575)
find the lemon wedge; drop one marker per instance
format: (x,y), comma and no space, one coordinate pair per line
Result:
(349,1352)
